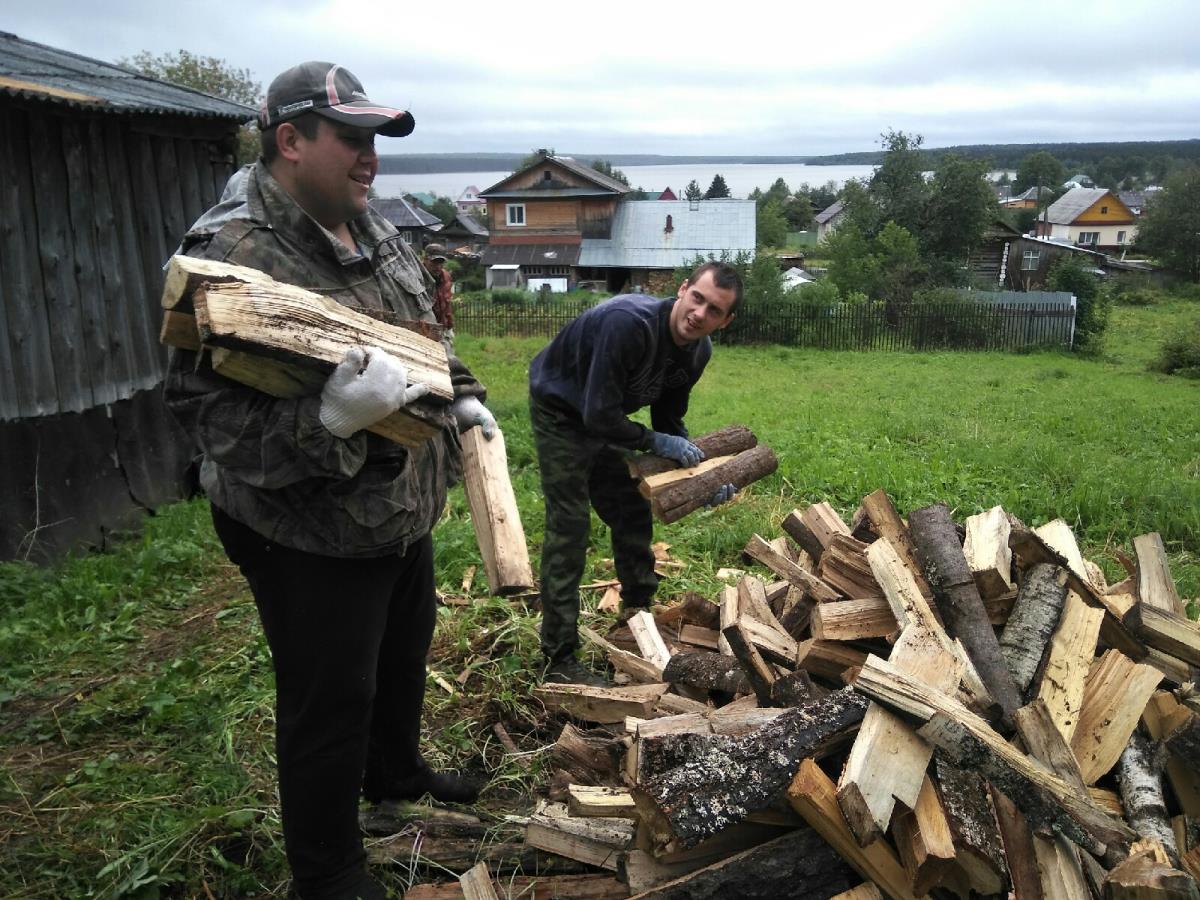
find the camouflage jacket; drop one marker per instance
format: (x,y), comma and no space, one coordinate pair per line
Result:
(269,463)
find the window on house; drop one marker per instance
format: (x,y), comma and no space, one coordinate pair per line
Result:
(1120,237)
(1104,210)
(406,236)
(559,271)
(1088,237)
(516,213)
(1030,260)
(546,175)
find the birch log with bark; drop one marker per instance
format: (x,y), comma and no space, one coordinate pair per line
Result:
(1032,621)
(731,778)
(1139,779)
(727,441)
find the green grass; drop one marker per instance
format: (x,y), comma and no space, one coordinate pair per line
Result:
(135,688)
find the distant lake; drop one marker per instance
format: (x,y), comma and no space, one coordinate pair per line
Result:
(742,178)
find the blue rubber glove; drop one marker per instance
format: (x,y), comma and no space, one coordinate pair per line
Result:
(674,447)
(723,495)
(469,412)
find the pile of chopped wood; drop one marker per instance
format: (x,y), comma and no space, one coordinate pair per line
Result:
(936,709)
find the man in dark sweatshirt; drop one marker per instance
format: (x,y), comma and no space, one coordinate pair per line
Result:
(627,353)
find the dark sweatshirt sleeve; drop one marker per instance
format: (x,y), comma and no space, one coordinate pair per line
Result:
(621,343)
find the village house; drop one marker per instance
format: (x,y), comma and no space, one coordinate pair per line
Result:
(1027,199)
(558,223)
(1008,260)
(469,200)
(466,234)
(652,238)
(828,219)
(416,226)
(538,217)
(1094,218)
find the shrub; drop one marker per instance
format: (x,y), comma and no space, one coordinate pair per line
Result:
(1093,301)
(1180,355)
(511,295)
(1138,297)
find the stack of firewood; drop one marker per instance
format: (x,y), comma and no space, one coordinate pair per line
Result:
(934,708)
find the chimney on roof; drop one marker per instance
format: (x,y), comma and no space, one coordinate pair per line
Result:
(542,151)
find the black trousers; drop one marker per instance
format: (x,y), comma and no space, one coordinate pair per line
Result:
(349,640)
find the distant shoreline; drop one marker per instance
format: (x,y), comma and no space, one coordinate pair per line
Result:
(1001,155)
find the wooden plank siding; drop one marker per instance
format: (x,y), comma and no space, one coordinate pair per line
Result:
(90,209)
(29,388)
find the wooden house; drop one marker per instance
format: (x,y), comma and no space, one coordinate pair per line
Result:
(828,219)
(103,171)
(415,225)
(1094,218)
(539,216)
(465,234)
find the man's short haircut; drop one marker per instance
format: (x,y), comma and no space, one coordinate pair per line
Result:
(725,276)
(307,125)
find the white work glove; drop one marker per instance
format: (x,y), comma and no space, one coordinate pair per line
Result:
(469,412)
(368,385)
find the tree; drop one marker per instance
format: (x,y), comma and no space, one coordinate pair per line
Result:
(604,167)
(771,224)
(1170,225)
(898,186)
(445,209)
(693,192)
(201,73)
(718,189)
(1040,170)
(961,206)
(798,211)
(210,75)
(534,156)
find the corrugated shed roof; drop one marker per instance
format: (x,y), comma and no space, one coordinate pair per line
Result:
(829,212)
(1074,203)
(640,239)
(403,214)
(530,254)
(37,72)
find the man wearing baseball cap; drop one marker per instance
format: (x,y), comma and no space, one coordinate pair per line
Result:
(434,260)
(330,524)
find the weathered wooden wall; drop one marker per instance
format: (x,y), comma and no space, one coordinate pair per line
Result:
(91,206)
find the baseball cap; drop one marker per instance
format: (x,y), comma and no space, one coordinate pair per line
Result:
(435,251)
(329,90)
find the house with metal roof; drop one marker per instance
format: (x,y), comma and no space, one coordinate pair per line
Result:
(466,234)
(828,219)
(103,171)
(650,239)
(539,216)
(415,224)
(1095,218)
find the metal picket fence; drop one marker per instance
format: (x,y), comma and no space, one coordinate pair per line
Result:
(923,326)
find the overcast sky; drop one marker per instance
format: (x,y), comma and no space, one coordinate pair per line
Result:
(732,78)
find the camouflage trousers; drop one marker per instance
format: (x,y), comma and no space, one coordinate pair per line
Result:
(580,472)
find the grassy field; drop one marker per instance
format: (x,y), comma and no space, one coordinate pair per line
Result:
(135,689)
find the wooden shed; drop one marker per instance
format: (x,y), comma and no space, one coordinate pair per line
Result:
(101,172)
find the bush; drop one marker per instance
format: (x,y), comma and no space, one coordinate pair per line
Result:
(1093,301)
(1138,297)
(511,295)
(1180,355)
